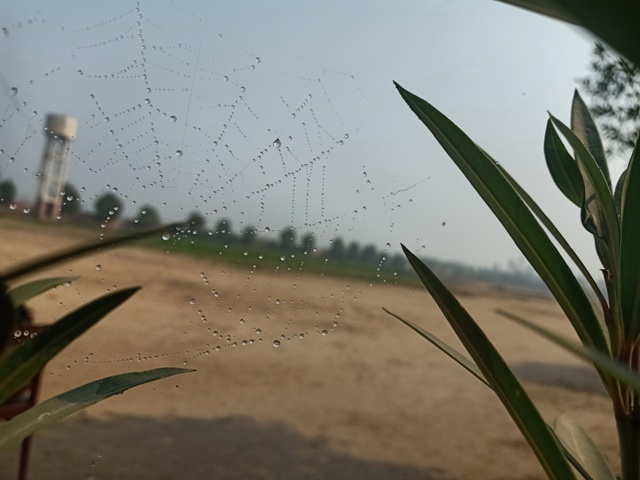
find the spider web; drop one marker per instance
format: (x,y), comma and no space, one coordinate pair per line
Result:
(187,119)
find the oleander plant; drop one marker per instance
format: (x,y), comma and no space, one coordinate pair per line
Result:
(609,331)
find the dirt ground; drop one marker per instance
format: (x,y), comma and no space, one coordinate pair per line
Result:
(367,400)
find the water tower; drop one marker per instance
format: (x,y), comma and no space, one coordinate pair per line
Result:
(60,130)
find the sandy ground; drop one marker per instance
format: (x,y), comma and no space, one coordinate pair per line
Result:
(368,400)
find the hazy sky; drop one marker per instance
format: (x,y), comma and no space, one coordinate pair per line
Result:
(285,111)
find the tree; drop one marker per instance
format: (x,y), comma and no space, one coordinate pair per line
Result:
(108,205)
(288,238)
(223,230)
(71,201)
(307,243)
(7,192)
(397,262)
(337,250)
(368,254)
(353,252)
(196,221)
(614,87)
(148,216)
(248,235)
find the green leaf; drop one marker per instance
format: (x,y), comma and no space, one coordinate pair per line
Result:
(486,177)
(548,224)
(475,371)
(614,21)
(598,197)
(617,195)
(74,252)
(450,351)
(584,127)
(20,294)
(52,410)
(630,248)
(31,357)
(495,370)
(605,364)
(563,168)
(583,449)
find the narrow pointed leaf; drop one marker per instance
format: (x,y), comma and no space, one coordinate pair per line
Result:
(630,247)
(449,351)
(562,167)
(605,364)
(515,216)
(583,449)
(20,294)
(495,370)
(30,357)
(548,224)
(617,195)
(56,408)
(584,127)
(74,252)
(603,206)
(475,371)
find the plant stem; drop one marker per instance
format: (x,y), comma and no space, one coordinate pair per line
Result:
(629,437)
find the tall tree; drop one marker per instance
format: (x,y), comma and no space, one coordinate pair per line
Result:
(148,216)
(108,205)
(248,235)
(7,192)
(196,221)
(288,238)
(71,201)
(308,242)
(368,254)
(614,87)
(337,250)
(223,230)
(353,251)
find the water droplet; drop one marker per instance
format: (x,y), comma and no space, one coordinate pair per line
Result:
(324,332)
(267,229)
(277,301)
(98,267)
(166,236)
(226,78)
(444,224)
(13,91)
(243,89)
(192,301)
(13,206)
(276,343)
(388,245)
(178,153)
(258,60)
(283,258)
(5,32)
(173,118)
(346,136)
(277,143)
(25,210)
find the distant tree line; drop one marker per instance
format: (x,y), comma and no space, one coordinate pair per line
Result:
(109,207)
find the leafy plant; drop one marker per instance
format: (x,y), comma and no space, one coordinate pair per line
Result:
(19,365)
(610,332)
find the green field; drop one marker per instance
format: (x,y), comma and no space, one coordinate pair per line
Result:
(268,258)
